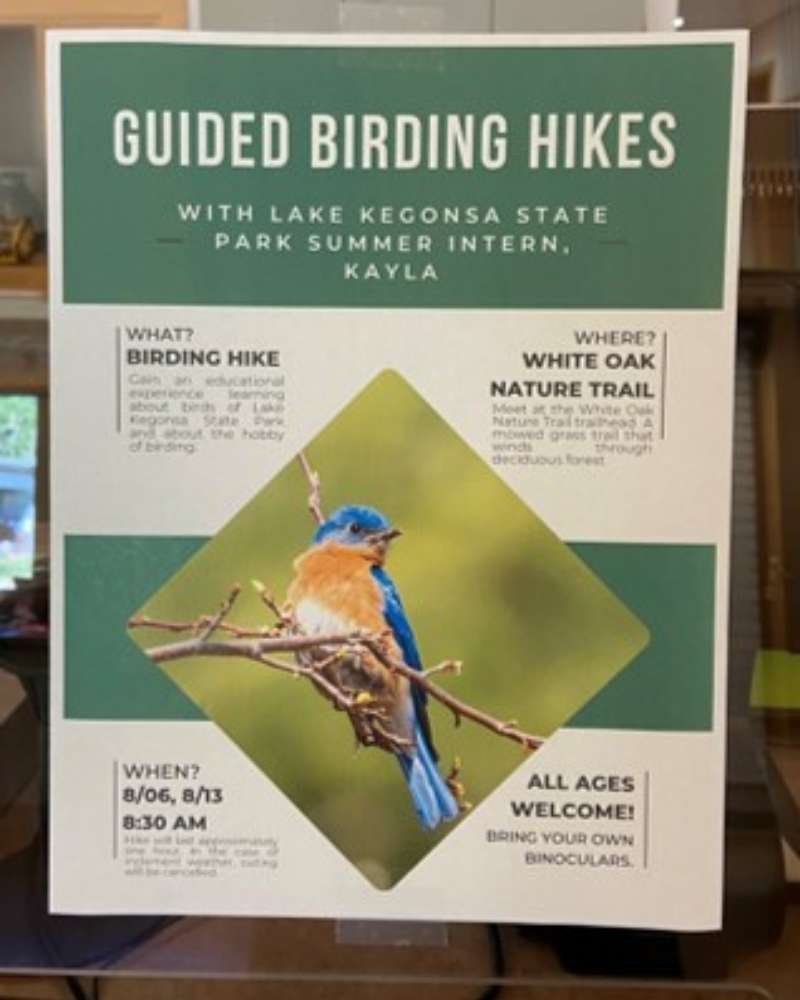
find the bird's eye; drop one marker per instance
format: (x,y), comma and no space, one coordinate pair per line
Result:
(355,528)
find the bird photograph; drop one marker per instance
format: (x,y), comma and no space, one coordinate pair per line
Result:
(387,630)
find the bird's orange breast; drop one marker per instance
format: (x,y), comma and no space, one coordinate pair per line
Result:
(339,579)
(334,592)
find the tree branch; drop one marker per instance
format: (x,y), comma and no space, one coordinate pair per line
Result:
(216,620)
(459,708)
(143,621)
(357,643)
(314,489)
(250,649)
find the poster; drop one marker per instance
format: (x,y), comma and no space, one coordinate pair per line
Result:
(392,393)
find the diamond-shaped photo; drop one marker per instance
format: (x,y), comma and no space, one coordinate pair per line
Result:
(387,630)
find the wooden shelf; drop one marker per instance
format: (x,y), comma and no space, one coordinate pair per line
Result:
(26,279)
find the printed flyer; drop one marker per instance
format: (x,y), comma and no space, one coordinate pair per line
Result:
(392,394)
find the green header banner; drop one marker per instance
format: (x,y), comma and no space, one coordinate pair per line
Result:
(408,176)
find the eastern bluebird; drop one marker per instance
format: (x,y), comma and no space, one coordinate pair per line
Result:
(341,586)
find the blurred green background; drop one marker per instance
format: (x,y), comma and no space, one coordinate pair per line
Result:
(483,580)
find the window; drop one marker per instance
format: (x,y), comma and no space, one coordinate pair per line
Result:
(19,418)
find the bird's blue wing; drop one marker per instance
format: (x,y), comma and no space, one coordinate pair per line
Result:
(397,620)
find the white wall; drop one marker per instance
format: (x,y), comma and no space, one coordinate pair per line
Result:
(569,15)
(331,15)
(446,15)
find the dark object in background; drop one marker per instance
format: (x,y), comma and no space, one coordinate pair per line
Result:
(30,937)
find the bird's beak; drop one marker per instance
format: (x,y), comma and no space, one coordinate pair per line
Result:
(386,535)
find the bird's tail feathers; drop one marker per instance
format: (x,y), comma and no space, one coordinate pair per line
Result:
(433,800)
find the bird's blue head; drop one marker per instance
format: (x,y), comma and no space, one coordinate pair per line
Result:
(354,524)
